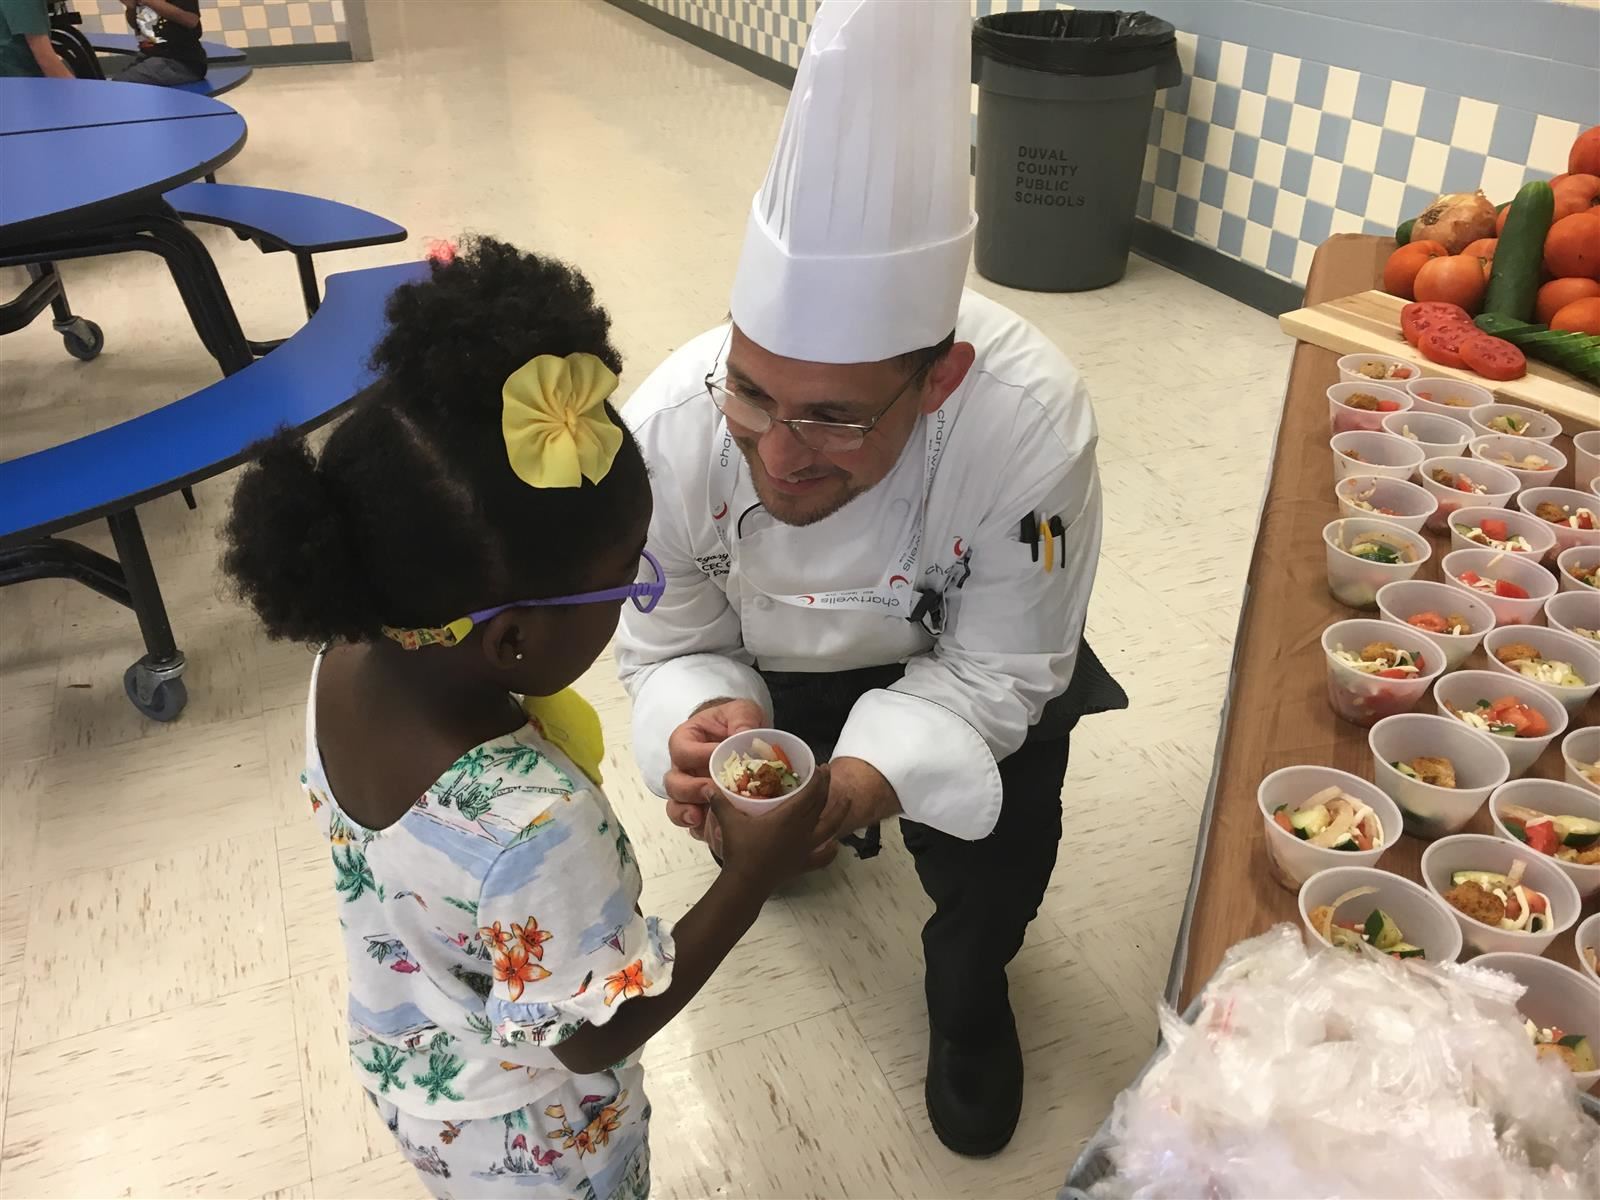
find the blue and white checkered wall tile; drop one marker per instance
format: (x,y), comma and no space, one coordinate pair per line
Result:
(242,23)
(1261,154)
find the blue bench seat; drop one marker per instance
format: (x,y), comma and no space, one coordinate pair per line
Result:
(217,81)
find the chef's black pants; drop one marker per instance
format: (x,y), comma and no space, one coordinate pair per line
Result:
(984,892)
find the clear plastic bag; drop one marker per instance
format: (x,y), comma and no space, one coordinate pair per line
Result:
(1336,1074)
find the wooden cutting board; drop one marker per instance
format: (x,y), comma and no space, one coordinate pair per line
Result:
(1370,322)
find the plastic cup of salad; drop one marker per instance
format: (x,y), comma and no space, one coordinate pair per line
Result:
(1376,368)
(1317,817)
(1515,586)
(1364,553)
(748,765)
(1513,420)
(1377,669)
(1556,998)
(1522,717)
(1579,569)
(1577,613)
(1447,397)
(1414,755)
(1452,861)
(1435,436)
(1363,405)
(1420,918)
(1585,459)
(1453,619)
(1579,523)
(1566,666)
(1464,482)
(1580,757)
(1481,528)
(1535,464)
(1389,499)
(1365,452)
(1586,941)
(1570,835)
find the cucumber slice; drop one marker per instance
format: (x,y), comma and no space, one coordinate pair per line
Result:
(1506,327)
(1407,950)
(1309,822)
(1381,931)
(1577,832)
(1582,1052)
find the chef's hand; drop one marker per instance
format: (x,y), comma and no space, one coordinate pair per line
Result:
(858,796)
(688,782)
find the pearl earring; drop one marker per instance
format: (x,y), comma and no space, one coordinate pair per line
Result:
(519,657)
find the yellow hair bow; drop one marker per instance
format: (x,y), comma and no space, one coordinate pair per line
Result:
(555,423)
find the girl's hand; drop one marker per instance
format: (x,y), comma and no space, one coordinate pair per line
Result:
(766,850)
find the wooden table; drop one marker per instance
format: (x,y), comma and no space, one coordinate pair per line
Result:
(1278,712)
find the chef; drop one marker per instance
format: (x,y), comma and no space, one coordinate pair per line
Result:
(877,507)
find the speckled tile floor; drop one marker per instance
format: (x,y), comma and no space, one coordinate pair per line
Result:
(170,985)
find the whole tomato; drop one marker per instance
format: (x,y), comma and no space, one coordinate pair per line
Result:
(1400,272)
(1457,279)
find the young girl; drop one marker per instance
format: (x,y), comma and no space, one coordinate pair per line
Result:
(465,539)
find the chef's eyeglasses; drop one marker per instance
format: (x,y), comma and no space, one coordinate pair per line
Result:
(831,437)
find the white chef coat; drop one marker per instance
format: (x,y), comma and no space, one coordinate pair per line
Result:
(1020,439)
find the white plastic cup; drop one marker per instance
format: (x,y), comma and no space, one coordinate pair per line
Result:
(1556,996)
(1398,370)
(1380,454)
(1343,418)
(1588,936)
(1423,919)
(1430,811)
(1481,852)
(1355,581)
(1574,556)
(1447,397)
(1366,699)
(1541,427)
(1579,748)
(1571,499)
(1463,689)
(1293,860)
(1541,540)
(1575,610)
(1403,503)
(1513,568)
(1501,485)
(1585,459)
(1435,436)
(1399,602)
(800,757)
(1552,644)
(1555,799)
(1499,446)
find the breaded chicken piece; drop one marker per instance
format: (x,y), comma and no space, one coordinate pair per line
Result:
(1566,1054)
(1440,772)
(1547,511)
(1589,857)
(1380,651)
(1477,902)
(1516,652)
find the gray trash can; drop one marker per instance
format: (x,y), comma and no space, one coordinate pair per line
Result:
(1064,103)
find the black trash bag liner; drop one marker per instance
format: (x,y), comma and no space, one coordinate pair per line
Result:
(1078,41)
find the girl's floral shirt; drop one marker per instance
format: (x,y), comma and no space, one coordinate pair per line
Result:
(488,924)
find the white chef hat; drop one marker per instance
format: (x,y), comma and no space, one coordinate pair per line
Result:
(857,244)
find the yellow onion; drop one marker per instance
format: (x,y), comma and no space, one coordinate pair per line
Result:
(1455,220)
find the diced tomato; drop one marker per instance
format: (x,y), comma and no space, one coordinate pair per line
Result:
(1428,622)
(1428,396)
(1509,591)
(1394,673)
(1542,837)
(1281,819)
(1494,528)
(1537,903)
(1470,578)
(1363,842)
(1388,406)
(1585,520)
(1513,907)
(783,758)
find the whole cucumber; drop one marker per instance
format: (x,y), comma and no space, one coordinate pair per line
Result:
(1519,254)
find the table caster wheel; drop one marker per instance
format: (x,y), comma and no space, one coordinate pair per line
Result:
(83,338)
(161,700)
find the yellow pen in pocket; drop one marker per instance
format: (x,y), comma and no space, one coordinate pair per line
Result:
(1049,547)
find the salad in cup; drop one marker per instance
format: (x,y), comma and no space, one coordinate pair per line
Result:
(764,772)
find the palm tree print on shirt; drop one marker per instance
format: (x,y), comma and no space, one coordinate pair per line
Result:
(352,877)
(442,1068)
(386,1065)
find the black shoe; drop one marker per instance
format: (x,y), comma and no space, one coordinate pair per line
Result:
(974,1093)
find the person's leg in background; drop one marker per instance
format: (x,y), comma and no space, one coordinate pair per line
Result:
(161,72)
(984,893)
